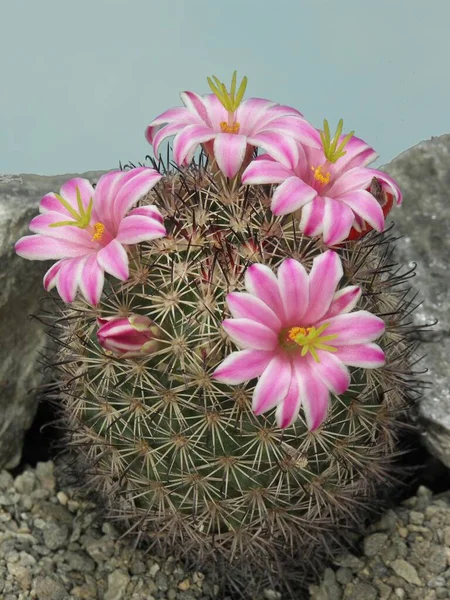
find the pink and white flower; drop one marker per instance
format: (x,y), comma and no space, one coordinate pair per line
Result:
(134,335)
(298,336)
(329,185)
(87,231)
(230,129)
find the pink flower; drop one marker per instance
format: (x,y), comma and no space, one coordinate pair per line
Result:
(330,185)
(297,335)
(88,230)
(128,336)
(230,129)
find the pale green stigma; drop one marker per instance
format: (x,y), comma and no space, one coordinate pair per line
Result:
(330,145)
(82,218)
(230,99)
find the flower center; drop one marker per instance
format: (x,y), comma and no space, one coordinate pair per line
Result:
(226,128)
(331,149)
(309,339)
(230,100)
(81,219)
(319,176)
(99,230)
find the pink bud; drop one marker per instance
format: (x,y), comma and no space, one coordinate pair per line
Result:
(128,336)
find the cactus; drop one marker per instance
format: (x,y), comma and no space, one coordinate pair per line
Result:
(195,462)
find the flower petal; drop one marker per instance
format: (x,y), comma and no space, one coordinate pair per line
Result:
(354,328)
(325,274)
(291,195)
(358,178)
(344,301)
(196,105)
(229,152)
(311,221)
(389,183)
(92,280)
(273,385)
(279,146)
(366,206)
(247,306)
(163,133)
(294,287)
(69,192)
(262,282)
(298,128)
(105,193)
(287,411)
(149,210)
(242,366)
(367,356)
(41,247)
(187,141)
(69,277)
(358,153)
(131,188)
(337,222)
(330,371)
(51,276)
(135,229)
(114,260)
(178,114)
(265,171)
(42,224)
(253,113)
(250,334)
(315,395)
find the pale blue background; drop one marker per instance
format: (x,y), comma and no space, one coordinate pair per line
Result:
(80,80)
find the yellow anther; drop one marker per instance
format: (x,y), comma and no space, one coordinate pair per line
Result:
(229,129)
(319,176)
(99,229)
(298,331)
(309,339)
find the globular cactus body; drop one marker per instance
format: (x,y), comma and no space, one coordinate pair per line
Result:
(175,450)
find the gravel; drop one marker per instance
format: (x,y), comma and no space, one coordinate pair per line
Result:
(406,555)
(52,547)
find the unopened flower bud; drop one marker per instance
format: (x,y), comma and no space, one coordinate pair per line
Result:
(128,336)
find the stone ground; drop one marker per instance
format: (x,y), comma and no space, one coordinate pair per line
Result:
(52,547)
(405,556)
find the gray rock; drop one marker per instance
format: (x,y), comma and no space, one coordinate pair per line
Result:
(407,571)
(423,173)
(48,587)
(22,339)
(375,543)
(117,585)
(55,536)
(360,590)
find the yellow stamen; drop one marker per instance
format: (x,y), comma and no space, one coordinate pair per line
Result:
(229,129)
(99,229)
(319,176)
(310,340)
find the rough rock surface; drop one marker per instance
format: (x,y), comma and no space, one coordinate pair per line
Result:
(423,173)
(22,339)
(406,555)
